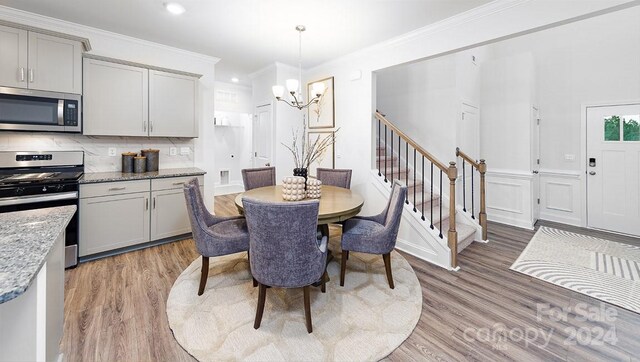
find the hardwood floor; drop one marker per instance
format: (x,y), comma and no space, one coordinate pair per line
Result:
(115,308)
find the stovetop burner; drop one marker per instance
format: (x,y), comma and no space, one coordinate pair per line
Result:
(41,177)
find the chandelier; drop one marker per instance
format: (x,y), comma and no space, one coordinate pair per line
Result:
(294,86)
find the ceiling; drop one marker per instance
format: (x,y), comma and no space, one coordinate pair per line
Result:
(250,34)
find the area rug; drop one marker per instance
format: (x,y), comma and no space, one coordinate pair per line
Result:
(363,321)
(602,269)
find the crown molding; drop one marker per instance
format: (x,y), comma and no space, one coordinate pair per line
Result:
(66,27)
(259,72)
(141,65)
(86,45)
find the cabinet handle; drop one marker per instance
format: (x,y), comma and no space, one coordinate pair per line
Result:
(151,126)
(117,188)
(178,183)
(22,74)
(154,203)
(31,75)
(146,204)
(144,126)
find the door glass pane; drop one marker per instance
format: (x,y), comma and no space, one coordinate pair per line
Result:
(631,127)
(612,128)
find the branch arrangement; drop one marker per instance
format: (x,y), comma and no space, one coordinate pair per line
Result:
(310,151)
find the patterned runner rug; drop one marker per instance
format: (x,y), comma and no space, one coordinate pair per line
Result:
(600,268)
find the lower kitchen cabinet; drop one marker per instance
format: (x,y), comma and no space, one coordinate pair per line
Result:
(115,215)
(113,222)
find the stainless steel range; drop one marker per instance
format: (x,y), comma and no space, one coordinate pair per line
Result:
(35,180)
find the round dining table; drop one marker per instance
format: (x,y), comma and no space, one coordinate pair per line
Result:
(336,204)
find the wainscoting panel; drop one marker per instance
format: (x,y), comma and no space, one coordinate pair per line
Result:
(561,196)
(509,198)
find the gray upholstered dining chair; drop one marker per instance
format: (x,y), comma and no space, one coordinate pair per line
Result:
(258,177)
(375,234)
(334,177)
(284,250)
(214,236)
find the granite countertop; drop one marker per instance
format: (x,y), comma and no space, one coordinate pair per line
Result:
(95,177)
(26,237)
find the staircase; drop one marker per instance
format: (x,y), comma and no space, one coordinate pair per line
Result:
(443,221)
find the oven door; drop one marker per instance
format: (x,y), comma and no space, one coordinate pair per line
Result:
(29,110)
(51,200)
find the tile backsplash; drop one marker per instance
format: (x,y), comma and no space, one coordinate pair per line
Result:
(96,149)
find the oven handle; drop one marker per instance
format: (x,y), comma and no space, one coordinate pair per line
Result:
(20,200)
(61,112)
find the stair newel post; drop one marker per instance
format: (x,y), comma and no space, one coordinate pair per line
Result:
(482,168)
(452,237)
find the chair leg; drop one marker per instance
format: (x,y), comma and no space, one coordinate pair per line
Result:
(307,308)
(387,266)
(204,273)
(262,295)
(325,277)
(343,266)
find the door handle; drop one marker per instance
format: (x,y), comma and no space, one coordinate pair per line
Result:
(592,173)
(267,164)
(154,203)
(535,171)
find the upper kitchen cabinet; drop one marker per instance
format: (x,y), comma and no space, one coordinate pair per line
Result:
(13,57)
(39,59)
(115,99)
(55,64)
(172,105)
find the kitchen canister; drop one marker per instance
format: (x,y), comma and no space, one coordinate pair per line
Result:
(314,188)
(139,164)
(293,188)
(127,161)
(153,159)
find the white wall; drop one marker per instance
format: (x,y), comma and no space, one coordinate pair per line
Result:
(355,95)
(123,47)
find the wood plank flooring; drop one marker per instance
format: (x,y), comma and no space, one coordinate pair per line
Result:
(115,308)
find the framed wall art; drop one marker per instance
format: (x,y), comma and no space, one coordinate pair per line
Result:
(321,114)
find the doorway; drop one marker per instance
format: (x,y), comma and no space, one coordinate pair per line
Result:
(262,136)
(613,168)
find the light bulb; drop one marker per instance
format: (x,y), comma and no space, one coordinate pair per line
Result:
(278,91)
(174,8)
(292,85)
(318,88)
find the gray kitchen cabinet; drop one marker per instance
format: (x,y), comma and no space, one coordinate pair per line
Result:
(169,215)
(172,105)
(13,57)
(38,61)
(55,64)
(115,215)
(115,99)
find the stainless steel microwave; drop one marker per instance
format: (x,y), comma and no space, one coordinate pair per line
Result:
(33,110)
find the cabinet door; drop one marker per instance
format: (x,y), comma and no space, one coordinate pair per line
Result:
(169,215)
(172,105)
(13,57)
(112,222)
(115,99)
(55,64)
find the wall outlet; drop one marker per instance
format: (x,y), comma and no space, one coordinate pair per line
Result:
(173,151)
(569,157)
(112,151)
(184,150)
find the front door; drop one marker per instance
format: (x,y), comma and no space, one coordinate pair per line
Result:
(262,136)
(613,168)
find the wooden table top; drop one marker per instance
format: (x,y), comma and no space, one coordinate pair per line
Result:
(336,204)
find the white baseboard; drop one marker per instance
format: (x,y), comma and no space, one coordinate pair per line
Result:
(233,188)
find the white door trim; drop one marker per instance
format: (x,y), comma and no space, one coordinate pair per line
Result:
(583,149)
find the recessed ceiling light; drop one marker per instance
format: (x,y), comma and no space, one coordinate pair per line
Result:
(174,8)
(235,80)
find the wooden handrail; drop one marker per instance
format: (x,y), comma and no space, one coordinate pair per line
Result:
(481,166)
(466,157)
(411,142)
